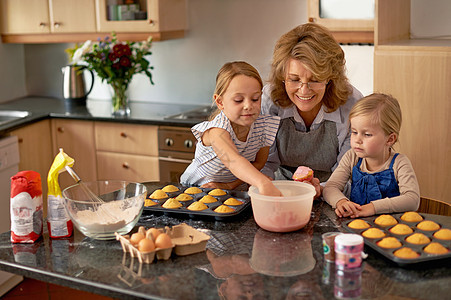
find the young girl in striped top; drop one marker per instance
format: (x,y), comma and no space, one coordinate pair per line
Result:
(234,144)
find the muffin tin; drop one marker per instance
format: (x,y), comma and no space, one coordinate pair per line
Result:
(241,196)
(389,253)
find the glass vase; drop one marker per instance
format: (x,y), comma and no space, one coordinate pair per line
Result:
(120,103)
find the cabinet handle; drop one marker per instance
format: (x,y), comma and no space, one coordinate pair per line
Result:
(125,165)
(57,24)
(60,129)
(42,24)
(151,22)
(20,140)
(123,134)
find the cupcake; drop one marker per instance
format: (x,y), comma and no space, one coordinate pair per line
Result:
(208,199)
(406,252)
(224,209)
(443,234)
(158,194)
(183,197)
(193,190)
(233,202)
(196,205)
(172,203)
(428,225)
(401,229)
(373,233)
(170,188)
(435,248)
(389,243)
(385,220)
(411,216)
(303,174)
(418,239)
(358,224)
(217,192)
(149,202)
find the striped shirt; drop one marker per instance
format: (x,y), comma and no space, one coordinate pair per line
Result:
(207,167)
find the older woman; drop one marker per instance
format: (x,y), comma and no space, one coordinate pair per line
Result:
(308,89)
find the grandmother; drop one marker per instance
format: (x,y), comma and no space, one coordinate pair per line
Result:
(308,89)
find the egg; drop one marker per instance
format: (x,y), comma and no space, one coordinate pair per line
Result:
(136,238)
(146,245)
(152,233)
(163,241)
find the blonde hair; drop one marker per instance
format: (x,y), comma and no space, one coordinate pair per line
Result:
(227,73)
(383,110)
(315,47)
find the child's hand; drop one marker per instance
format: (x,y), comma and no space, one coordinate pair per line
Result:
(365,211)
(346,208)
(221,185)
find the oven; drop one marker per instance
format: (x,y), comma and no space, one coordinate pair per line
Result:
(176,145)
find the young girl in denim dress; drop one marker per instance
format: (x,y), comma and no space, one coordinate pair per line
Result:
(382,181)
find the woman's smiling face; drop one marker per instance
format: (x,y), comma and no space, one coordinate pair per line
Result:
(308,101)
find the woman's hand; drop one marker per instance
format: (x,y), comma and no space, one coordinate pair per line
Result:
(269,189)
(346,208)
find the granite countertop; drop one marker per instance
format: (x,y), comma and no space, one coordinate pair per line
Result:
(152,113)
(241,259)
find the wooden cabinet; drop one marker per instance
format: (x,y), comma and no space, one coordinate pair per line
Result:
(77,139)
(417,73)
(35,150)
(127,151)
(44,16)
(65,21)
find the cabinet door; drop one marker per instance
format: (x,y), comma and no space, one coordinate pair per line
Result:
(77,140)
(161,15)
(72,16)
(25,16)
(35,150)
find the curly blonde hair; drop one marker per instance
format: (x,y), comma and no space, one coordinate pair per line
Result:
(315,47)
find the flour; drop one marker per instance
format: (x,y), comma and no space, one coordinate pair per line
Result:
(107,217)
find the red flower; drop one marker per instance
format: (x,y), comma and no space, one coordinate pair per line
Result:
(112,56)
(125,61)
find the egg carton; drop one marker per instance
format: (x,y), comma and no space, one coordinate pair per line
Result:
(389,253)
(241,196)
(186,240)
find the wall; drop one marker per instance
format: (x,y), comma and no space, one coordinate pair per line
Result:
(12,72)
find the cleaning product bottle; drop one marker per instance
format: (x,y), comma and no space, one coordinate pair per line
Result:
(58,222)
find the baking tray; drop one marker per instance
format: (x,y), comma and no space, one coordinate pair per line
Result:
(241,196)
(388,253)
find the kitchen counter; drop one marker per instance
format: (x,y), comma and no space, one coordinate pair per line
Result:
(152,113)
(241,258)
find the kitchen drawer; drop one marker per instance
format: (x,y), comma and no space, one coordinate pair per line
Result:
(126,138)
(129,167)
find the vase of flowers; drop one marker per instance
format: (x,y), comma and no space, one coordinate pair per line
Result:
(116,63)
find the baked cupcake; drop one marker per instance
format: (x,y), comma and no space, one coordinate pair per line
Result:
(373,233)
(158,195)
(172,203)
(224,209)
(196,205)
(233,202)
(389,243)
(401,229)
(406,252)
(385,220)
(358,224)
(208,199)
(435,248)
(428,225)
(193,190)
(418,239)
(303,173)
(411,216)
(443,234)
(183,197)
(170,188)
(149,202)
(217,192)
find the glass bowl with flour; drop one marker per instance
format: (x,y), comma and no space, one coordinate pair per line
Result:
(98,209)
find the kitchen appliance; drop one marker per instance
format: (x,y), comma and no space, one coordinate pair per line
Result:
(74,86)
(9,166)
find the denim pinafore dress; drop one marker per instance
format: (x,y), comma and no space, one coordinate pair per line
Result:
(367,187)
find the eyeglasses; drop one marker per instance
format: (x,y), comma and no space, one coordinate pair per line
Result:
(297,84)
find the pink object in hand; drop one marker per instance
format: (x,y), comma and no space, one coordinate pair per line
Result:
(303,174)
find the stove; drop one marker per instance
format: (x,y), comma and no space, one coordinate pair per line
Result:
(198,114)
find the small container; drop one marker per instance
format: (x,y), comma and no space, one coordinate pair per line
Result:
(329,245)
(348,251)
